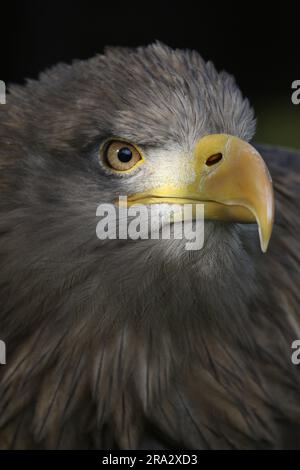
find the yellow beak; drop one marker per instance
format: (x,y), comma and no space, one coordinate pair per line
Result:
(231,180)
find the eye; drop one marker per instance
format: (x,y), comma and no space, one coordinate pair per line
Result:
(121,156)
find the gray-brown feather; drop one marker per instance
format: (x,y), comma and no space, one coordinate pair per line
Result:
(123,343)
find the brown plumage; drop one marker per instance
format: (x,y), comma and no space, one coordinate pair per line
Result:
(138,344)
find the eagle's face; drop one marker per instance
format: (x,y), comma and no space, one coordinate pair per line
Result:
(155,125)
(89,322)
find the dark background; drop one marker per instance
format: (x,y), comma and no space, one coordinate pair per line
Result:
(261,47)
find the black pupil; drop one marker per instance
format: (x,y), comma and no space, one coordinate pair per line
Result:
(124,155)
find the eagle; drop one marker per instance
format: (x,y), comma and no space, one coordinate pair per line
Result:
(142,344)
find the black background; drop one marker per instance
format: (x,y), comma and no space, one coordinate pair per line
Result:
(258,43)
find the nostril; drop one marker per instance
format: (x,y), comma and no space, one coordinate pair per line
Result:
(213,159)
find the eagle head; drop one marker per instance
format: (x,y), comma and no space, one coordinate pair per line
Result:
(100,330)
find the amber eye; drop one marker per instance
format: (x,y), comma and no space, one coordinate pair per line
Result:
(121,156)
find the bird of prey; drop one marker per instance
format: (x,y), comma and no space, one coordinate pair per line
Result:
(138,344)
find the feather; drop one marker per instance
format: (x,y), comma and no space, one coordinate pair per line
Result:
(139,344)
